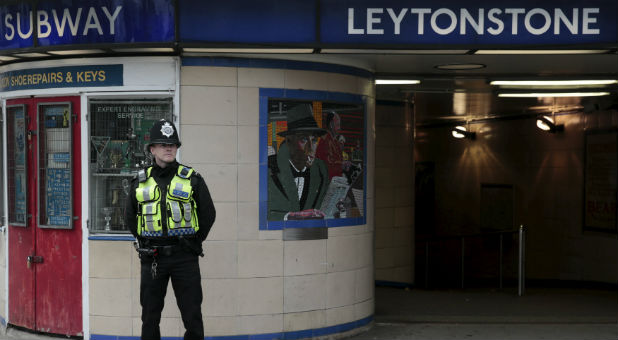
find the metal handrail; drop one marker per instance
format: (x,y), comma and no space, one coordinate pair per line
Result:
(521,274)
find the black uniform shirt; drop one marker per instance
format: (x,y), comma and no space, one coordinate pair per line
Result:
(163,176)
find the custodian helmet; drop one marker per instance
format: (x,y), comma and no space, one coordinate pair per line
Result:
(164,132)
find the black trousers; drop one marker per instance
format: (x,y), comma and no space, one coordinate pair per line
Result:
(184,270)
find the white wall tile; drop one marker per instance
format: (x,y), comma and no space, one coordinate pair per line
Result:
(365,250)
(260,296)
(170,308)
(342,253)
(110,259)
(171,327)
(364,284)
(220,297)
(116,325)
(248,106)
(304,293)
(218,326)
(260,77)
(340,315)
(340,289)
(212,105)
(306,80)
(260,258)
(248,183)
(224,228)
(304,320)
(342,83)
(110,297)
(220,261)
(208,144)
(260,324)
(304,257)
(364,309)
(270,235)
(222,180)
(248,144)
(208,75)
(248,220)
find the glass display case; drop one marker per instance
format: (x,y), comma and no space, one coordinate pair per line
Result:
(119,133)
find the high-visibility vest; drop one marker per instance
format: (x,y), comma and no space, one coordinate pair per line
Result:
(180,209)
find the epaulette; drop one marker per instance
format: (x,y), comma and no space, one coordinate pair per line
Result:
(185,172)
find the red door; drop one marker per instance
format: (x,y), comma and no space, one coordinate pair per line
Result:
(44,174)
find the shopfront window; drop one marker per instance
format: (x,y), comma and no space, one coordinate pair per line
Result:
(119,131)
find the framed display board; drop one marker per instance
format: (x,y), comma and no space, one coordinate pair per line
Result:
(600,180)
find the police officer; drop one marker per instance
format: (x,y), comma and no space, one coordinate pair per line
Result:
(170,213)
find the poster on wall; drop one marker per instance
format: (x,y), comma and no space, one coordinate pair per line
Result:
(601,176)
(316,161)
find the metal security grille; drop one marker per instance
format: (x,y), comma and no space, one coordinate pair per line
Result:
(55,154)
(119,133)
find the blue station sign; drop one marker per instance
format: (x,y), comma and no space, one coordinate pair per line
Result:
(86,22)
(309,23)
(441,22)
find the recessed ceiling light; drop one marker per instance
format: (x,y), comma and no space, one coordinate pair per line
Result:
(554,82)
(458,67)
(75,52)
(32,55)
(555,94)
(397,81)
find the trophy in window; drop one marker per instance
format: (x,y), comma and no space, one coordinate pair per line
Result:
(107,213)
(100,144)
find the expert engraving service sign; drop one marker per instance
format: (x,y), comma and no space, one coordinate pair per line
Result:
(69,76)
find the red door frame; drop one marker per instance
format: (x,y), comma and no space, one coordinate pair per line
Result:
(47,296)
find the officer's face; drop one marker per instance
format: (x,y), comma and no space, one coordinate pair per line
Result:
(164,153)
(302,149)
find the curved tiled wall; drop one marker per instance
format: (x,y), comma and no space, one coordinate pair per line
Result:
(255,283)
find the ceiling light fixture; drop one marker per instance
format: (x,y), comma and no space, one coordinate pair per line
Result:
(546,123)
(554,94)
(541,51)
(460,67)
(143,50)
(247,50)
(377,51)
(397,81)
(32,55)
(75,52)
(554,82)
(462,132)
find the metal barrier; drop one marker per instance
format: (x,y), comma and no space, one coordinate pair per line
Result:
(521,270)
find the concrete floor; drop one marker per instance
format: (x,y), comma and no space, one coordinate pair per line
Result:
(481,314)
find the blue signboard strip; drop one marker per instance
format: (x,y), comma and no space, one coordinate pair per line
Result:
(67,76)
(314,24)
(70,22)
(449,22)
(264,21)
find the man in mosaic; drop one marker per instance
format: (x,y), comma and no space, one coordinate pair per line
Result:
(297,181)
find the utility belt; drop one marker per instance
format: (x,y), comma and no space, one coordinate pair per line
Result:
(145,248)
